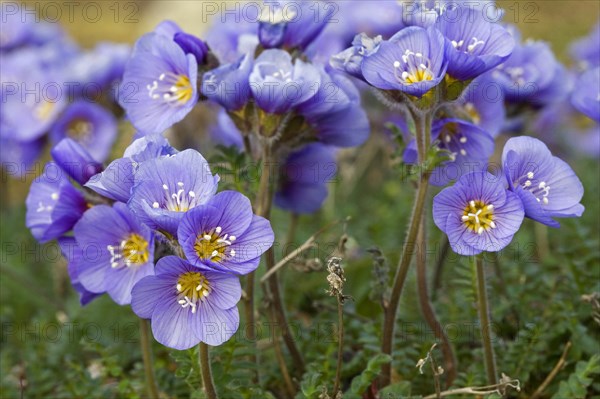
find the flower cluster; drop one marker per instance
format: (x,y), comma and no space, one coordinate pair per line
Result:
(153,198)
(482,211)
(52,89)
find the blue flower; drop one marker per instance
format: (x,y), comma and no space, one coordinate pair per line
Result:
(159,86)
(335,113)
(99,67)
(224,234)
(425,13)
(18,157)
(90,125)
(587,50)
(483,102)
(468,146)
(74,256)
(116,181)
(303,183)
(75,161)
(188,304)
(231,38)
(350,60)
(293,24)
(225,133)
(547,186)
(474,44)
(32,97)
(478,214)
(278,85)
(586,95)
(228,84)
(167,187)
(117,249)
(54,205)
(412,61)
(527,71)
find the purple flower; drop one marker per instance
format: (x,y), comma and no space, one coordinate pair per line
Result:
(547,186)
(116,181)
(90,125)
(188,304)
(53,204)
(228,84)
(231,37)
(118,251)
(586,95)
(426,13)
(303,183)
(527,71)
(74,256)
(587,50)
(350,60)
(75,161)
(32,97)
(412,61)
(100,67)
(224,234)
(278,85)
(225,132)
(483,102)
(159,84)
(468,146)
(335,113)
(474,44)
(167,187)
(18,157)
(293,24)
(478,214)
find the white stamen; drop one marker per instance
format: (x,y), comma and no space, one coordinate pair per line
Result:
(545,200)
(463,152)
(465,218)
(232,253)
(54,196)
(207,237)
(218,229)
(463,140)
(232,238)
(480,231)
(492,225)
(155,205)
(530,175)
(165,187)
(179,287)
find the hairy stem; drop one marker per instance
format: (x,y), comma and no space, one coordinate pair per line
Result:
(423,125)
(484,321)
(146,345)
(276,302)
(427,309)
(207,379)
(338,371)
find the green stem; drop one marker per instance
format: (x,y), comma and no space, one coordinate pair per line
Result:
(423,126)
(484,321)
(146,345)
(338,371)
(207,379)
(427,308)
(276,302)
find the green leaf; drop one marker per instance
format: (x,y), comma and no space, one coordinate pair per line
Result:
(577,385)
(361,383)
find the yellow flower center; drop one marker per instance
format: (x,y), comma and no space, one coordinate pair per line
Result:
(192,287)
(130,252)
(213,245)
(479,217)
(79,129)
(43,111)
(171,88)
